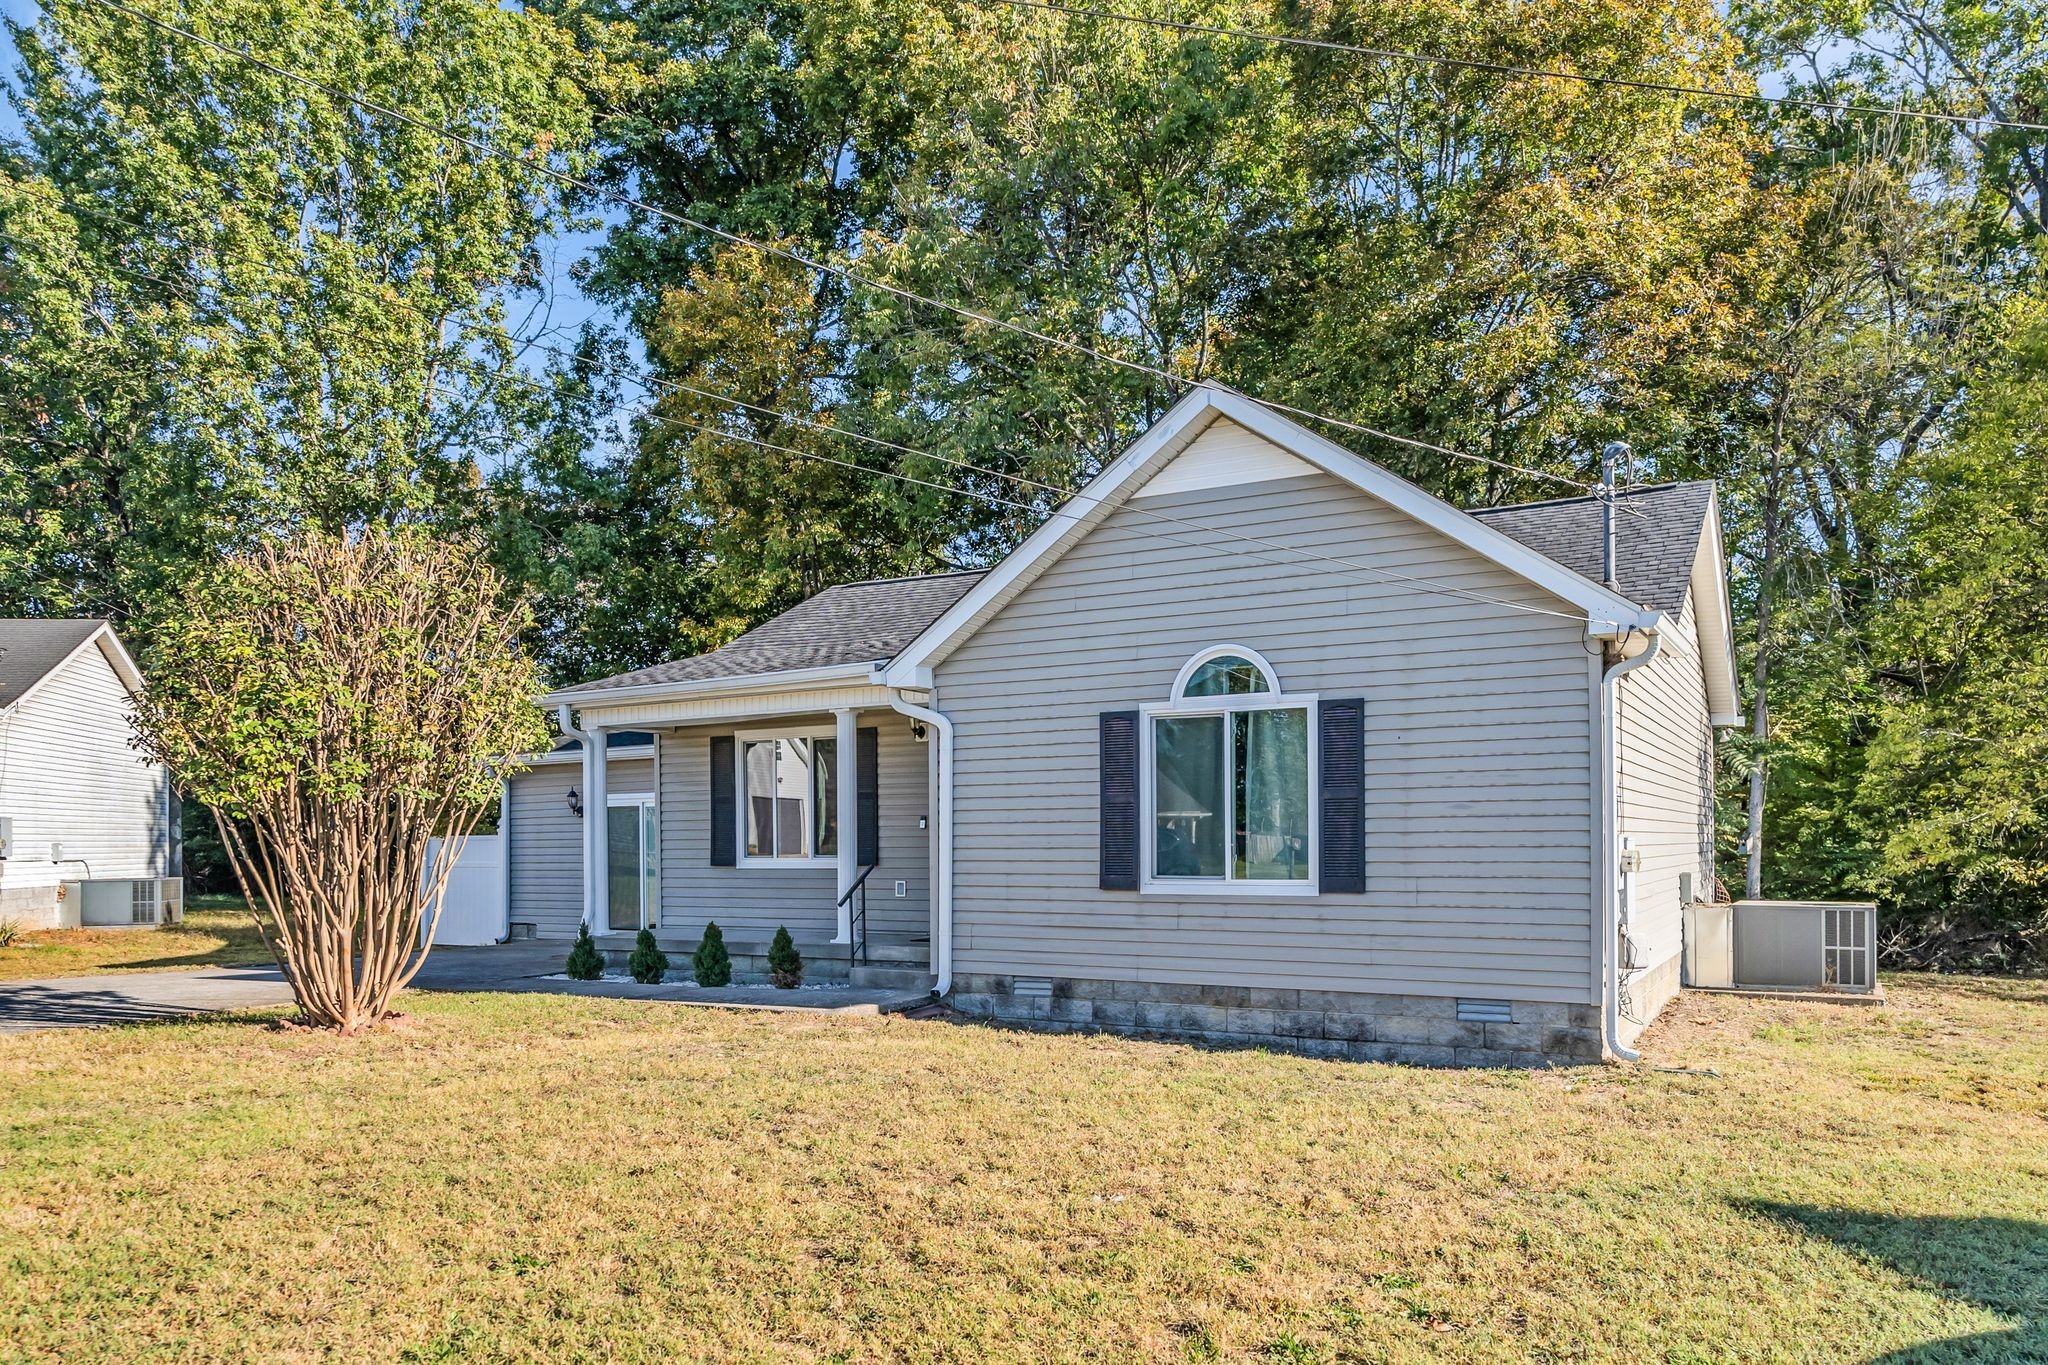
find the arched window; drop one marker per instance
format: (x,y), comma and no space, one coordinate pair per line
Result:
(1225,671)
(1226,786)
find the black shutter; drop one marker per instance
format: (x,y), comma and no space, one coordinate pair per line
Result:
(1342,842)
(724,812)
(867,795)
(1119,834)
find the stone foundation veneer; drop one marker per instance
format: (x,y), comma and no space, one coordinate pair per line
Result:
(1423,1030)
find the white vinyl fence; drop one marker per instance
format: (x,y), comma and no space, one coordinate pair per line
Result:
(474,912)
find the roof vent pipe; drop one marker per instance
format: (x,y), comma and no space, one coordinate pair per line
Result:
(1610,457)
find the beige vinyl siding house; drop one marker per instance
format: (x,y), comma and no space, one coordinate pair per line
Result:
(1250,742)
(1478,790)
(86,815)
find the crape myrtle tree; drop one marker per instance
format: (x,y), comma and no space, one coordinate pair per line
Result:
(335,700)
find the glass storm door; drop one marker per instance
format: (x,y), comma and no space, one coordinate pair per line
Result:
(630,885)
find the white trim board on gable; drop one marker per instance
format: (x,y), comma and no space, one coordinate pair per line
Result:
(1225,455)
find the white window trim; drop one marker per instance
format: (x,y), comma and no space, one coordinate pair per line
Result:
(1187,672)
(811,861)
(1149,882)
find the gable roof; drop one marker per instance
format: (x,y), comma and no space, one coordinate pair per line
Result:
(32,648)
(866,623)
(1608,614)
(894,630)
(1657,533)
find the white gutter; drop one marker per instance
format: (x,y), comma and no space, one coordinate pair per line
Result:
(1608,854)
(942,935)
(738,683)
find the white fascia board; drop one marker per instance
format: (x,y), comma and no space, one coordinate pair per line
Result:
(737,685)
(1164,438)
(1714,620)
(1608,614)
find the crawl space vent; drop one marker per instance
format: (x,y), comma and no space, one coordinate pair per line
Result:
(1483,1012)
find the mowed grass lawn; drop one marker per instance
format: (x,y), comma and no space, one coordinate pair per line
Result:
(217,932)
(547,1178)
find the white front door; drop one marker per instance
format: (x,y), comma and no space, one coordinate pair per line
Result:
(631,843)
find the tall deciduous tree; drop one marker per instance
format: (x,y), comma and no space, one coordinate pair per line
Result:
(232,305)
(335,702)
(1516,266)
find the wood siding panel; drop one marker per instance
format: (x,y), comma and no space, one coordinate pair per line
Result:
(68,775)
(1665,789)
(752,902)
(547,841)
(1478,753)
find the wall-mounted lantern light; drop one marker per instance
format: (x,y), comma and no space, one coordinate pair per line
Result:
(575,804)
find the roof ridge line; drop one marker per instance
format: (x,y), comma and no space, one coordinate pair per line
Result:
(1629,492)
(895,578)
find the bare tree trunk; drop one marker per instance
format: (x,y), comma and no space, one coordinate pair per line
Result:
(1760,706)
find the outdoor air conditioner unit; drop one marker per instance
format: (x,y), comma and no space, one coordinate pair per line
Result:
(119,902)
(1782,945)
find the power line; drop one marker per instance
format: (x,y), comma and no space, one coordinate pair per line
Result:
(1337,563)
(1509,69)
(839,272)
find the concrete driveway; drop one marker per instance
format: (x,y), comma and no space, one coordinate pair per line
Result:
(138,997)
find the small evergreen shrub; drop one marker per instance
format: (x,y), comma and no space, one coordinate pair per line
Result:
(649,963)
(586,963)
(785,964)
(10,929)
(711,964)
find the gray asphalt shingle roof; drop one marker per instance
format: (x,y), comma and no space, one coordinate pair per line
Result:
(853,623)
(1657,533)
(30,647)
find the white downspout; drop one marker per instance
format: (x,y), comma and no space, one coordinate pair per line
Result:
(942,937)
(1610,843)
(505,854)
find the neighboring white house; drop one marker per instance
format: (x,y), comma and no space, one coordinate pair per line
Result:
(87,826)
(1251,741)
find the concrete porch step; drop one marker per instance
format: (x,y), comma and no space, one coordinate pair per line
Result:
(872,976)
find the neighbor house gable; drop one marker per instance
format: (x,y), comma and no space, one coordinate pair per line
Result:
(33,652)
(1157,451)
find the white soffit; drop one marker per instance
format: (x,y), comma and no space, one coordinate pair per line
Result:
(1225,456)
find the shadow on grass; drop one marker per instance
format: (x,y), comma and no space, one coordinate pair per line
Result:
(1996,1263)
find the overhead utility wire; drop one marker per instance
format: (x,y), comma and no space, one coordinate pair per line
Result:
(768,248)
(1509,69)
(1338,564)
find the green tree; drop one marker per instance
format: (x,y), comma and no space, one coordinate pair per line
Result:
(232,306)
(1953,789)
(335,702)
(1517,266)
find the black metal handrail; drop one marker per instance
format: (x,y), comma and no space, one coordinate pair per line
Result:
(857,920)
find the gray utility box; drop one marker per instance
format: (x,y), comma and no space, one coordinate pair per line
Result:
(1782,945)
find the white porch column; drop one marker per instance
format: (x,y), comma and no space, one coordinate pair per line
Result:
(598,822)
(848,776)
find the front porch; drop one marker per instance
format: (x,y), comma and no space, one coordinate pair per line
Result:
(806,809)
